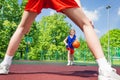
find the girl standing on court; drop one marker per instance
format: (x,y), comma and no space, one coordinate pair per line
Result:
(68,42)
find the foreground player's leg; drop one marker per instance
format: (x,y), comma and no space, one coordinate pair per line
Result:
(77,16)
(23,28)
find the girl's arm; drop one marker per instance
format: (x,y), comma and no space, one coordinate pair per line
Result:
(65,41)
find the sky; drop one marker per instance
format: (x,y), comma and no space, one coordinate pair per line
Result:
(96,11)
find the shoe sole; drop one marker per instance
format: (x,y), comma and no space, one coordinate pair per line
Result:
(3,73)
(104,78)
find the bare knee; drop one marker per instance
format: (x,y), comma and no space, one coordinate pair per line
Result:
(86,25)
(24,29)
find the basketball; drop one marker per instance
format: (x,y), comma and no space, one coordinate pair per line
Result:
(76,44)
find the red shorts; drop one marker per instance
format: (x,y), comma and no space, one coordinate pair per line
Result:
(58,5)
(71,50)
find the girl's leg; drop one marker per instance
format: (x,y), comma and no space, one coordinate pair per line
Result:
(72,59)
(77,15)
(105,70)
(69,58)
(23,28)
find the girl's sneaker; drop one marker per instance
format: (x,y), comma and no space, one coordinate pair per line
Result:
(4,69)
(108,75)
(72,63)
(69,63)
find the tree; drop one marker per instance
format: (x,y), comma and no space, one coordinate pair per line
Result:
(114,40)
(52,31)
(83,53)
(10,16)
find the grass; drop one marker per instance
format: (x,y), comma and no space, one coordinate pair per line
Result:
(116,62)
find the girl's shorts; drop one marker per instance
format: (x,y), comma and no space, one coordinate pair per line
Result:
(71,50)
(58,5)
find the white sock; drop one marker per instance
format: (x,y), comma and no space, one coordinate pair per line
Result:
(103,64)
(7,60)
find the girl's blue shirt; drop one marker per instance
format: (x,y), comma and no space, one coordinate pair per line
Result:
(70,41)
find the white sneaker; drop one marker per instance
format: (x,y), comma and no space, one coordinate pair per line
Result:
(109,75)
(72,63)
(69,63)
(4,69)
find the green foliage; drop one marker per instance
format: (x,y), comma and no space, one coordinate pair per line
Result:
(51,31)
(114,40)
(10,10)
(10,15)
(83,53)
(49,37)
